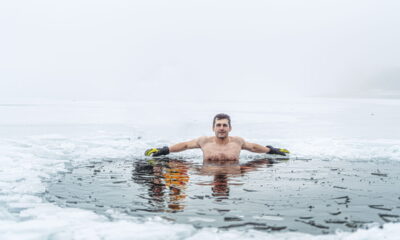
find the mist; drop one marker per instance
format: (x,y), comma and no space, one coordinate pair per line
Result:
(196,50)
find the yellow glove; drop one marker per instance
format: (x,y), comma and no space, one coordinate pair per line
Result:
(154,152)
(279,151)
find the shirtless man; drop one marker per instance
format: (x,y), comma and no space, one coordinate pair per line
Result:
(219,148)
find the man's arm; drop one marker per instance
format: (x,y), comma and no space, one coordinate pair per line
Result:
(254,147)
(185,145)
(154,152)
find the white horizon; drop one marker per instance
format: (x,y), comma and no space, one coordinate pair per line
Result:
(188,50)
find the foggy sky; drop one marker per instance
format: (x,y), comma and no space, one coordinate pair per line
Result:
(157,49)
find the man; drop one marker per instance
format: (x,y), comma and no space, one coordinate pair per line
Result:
(219,148)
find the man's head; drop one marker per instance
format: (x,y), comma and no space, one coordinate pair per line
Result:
(222,125)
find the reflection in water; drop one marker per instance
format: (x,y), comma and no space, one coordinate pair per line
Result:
(220,188)
(176,178)
(167,179)
(224,170)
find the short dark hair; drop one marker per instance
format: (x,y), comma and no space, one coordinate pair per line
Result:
(222,116)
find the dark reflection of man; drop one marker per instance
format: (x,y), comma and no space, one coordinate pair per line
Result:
(220,186)
(223,170)
(167,179)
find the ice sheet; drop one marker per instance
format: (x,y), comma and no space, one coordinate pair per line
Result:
(56,137)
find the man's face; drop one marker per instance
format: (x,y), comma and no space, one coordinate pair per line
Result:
(221,128)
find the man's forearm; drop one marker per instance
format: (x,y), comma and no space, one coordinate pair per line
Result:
(257,148)
(174,148)
(178,147)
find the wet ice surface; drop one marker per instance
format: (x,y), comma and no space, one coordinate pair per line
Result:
(307,195)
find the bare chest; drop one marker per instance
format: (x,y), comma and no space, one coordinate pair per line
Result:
(228,152)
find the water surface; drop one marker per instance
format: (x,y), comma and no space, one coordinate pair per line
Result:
(307,195)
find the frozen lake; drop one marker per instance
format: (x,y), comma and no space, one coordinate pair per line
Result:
(58,157)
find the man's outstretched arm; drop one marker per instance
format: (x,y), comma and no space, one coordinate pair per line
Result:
(254,147)
(185,145)
(154,152)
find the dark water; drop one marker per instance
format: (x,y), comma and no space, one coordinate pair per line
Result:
(313,196)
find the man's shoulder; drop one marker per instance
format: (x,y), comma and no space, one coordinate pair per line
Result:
(237,139)
(204,139)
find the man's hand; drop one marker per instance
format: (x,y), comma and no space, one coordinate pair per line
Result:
(155,152)
(279,151)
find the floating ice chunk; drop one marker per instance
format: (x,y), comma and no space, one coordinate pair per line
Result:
(200,219)
(269,217)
